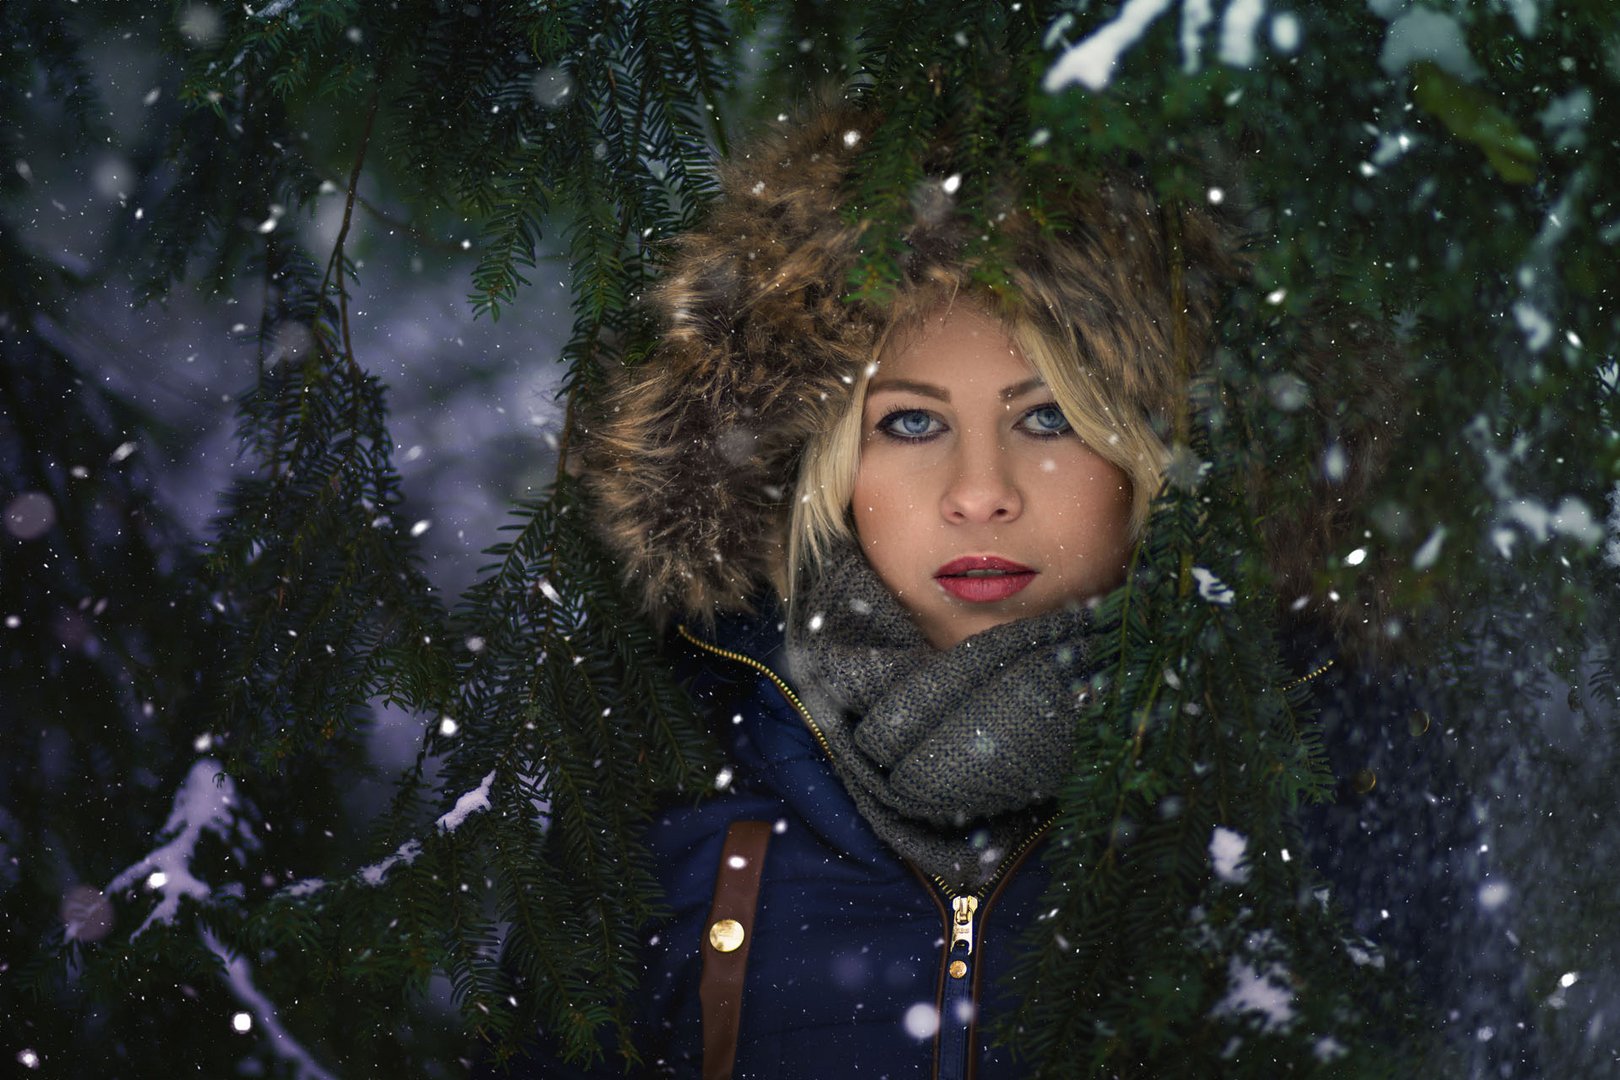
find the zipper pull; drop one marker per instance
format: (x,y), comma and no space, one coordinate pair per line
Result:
(962,908)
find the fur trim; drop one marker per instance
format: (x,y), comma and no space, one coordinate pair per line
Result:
(693,455)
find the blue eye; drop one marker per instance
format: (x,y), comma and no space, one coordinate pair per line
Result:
(910,424)
(1045,420)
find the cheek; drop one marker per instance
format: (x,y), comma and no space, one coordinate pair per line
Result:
(881,508)
(1096,509)
(1106,493)
(873,510)
(876,498)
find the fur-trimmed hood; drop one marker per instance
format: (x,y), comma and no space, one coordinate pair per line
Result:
(693,455)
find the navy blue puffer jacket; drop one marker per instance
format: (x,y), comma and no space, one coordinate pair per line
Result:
(854,963)
(851,970)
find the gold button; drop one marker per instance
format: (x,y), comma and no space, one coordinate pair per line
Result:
(726,935)
(958,968)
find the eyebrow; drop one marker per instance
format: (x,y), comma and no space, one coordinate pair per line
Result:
(939,393)
(881,386)
(1018,390)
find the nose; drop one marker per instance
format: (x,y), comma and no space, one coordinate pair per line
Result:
(980,487)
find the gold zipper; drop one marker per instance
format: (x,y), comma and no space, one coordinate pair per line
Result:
(749,661)
(962,909)
(1303,679)
(990,882)
(958,901)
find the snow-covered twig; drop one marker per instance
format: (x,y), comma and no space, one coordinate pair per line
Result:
(407,854)
(1238,30)
(1212,588)
(206,802)
(1091,63)
(469,803)
(239,977)
(274,8)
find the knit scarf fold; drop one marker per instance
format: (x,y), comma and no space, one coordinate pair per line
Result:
(951,756)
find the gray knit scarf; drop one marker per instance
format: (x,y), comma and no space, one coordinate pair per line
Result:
(951,756)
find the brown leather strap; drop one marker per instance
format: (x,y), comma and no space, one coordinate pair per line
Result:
(736,895)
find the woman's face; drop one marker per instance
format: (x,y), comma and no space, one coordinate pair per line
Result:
(974,502)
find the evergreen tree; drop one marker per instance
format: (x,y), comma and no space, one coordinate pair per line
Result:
(1428,189)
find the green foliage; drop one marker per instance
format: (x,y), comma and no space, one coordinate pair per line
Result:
(1192,730)
(87,692)
(1471,117)
(317,587)
(1455,234)
(587,731)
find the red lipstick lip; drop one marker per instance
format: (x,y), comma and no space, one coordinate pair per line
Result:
(1011,578)
(981,562)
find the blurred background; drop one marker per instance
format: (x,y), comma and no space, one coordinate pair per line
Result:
(175,179)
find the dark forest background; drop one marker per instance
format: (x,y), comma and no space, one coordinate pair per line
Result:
(324,727)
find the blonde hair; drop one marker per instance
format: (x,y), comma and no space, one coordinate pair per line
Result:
(1119,431)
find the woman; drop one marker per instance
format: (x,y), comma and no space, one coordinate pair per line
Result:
(937,486)
(876,527)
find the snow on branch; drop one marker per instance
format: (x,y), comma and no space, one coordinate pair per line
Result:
(1092,62)
(469,803)
(273,9)
(1264,993)
(1227,851)
(377,871)
(239,977)
(1260,987)
(1238,31)
(206,802)
(1196,15)
(1212,588)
